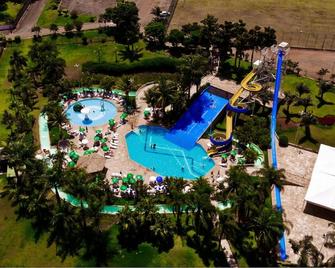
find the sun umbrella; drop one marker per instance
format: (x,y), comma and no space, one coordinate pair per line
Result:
(139,177)
(105,148)
(111,122)
(146,113)
(84,141)
(130,175)
(224,155)
(125,180)
(71,164)
(85,110)
(72,153)
(115,180)
(104,140)
(159,179)
(132,94)
(132,180)
(123,116)
(96,138)
(98,131)
(123,188)
(81,129)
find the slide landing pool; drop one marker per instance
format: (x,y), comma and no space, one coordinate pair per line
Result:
(148,146)
(196,120)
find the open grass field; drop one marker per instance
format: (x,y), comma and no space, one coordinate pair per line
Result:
(285,15)
(18,248)
(50,15)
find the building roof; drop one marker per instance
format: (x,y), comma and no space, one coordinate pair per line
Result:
(321,189)
(92,163)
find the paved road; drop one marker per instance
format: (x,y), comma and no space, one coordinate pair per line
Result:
(29,19)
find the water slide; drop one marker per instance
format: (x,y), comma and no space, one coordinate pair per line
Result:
(282,245)
(247,85)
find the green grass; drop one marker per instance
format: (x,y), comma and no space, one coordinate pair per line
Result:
(12,10)
(18,248)
(50,16)
(289,85)
(308,16)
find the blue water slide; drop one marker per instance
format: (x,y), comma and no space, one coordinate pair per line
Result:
(221,142)
(237,110)
(282,244)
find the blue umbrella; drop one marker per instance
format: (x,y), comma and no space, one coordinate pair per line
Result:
(159,179)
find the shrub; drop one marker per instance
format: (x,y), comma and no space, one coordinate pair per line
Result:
(92,19)
(157,64)
(283,141)
(74,14)
(84,41)
(17,39)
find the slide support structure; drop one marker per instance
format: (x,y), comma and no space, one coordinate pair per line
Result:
(281,53)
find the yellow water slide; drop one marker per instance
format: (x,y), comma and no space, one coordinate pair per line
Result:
(246,84)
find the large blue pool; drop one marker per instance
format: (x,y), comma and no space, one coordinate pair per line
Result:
(167,158)
(100,112)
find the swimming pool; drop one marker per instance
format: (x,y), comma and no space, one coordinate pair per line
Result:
(148,147)
(100,111)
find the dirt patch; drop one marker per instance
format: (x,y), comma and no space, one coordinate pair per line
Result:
(91,7)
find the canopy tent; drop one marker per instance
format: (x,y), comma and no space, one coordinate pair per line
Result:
(321,189)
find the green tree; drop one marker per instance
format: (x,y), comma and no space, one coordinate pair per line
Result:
(306,120)
(17,64)
(209,31)
(289,99)
(155,34)
(53,28)
(324,87)
(272,176)
(302,89)
(175,37)
(69,27)
(36,30)
(78,25)
(305,102)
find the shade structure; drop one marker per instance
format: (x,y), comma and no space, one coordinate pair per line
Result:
(98,131)
(123,188)
(104,140)
(88,152)
(224,155)
(321,188)
(105,148)
(115,180)
(71,164)
(159,179)
(81,129)
(123,116)
(139,177)
(96,138)
(132,180)
(130,175)
(125,180)
(92,163)
(111,122)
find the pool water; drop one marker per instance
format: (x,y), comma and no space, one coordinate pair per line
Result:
(166,158)
(97,116)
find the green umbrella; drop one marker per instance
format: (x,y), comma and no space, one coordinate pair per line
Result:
(81,129)
(96,138)
(105,148)
(130,175)
(125,180)
(87,152)
(75,157)
(233,152)
(139,177)
(115,180)
(72,153)
(71,164)
(111,123)
(132,94)
(224,155)
(104,140)
(146,113)
(123,188)
(132,180)
(99,131)
(123,116)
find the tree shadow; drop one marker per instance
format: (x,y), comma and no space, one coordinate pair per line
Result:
(289,116)
(322,102)
(306,138)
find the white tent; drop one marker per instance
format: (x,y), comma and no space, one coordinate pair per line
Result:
(321,189)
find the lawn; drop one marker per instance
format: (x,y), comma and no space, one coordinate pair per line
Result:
(12,10)
(306,16)
(18,248)
(50,15)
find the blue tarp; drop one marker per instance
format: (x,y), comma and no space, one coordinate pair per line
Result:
(195,121)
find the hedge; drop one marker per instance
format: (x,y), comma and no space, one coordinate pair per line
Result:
(283,140)
(157,64)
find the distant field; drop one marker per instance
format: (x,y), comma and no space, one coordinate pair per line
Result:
(284,15)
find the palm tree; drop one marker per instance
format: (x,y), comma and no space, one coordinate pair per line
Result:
(176,198)
(272,176)
(289,99)
(36,29)
(151,98)
(17,62)
(265,97)
(324,87)
(322,72)
(302,89)
(305,102)
(226,225)
(53,28)
(191,70)
(308,119)
(254,41)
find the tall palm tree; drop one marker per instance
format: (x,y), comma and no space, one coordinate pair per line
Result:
(322,72)
(308,119)
(302,89)
(17,62)
(289,99)
(53,28)
(273,176)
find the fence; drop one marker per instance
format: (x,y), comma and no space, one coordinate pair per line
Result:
(321,41)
